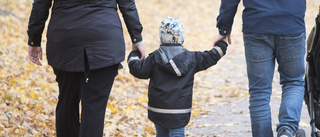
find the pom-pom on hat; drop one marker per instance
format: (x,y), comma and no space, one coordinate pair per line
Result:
(171,31)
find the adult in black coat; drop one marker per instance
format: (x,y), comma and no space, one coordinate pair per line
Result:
(85,47)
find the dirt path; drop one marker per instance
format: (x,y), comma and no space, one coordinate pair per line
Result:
(234,120)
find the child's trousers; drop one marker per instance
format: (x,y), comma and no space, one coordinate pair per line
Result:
(169,132)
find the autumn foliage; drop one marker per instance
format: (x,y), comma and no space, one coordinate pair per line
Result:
(29,93)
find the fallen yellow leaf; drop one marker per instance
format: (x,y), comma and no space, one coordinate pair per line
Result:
(128,110)
(43,86)
(112,108)
(33,95)
(143,98)
(195,112)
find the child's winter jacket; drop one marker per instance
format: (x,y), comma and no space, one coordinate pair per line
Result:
(171,70)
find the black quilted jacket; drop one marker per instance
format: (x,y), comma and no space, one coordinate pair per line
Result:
(77,27)
(171,70)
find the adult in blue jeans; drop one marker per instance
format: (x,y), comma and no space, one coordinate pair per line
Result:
(273,30)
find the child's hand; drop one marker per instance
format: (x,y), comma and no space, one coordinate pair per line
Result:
(223,46)
(140,49)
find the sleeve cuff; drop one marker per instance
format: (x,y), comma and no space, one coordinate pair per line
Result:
(218,50)
(224,32)
(134,55)
(137,44)
(34,44)
(34,41)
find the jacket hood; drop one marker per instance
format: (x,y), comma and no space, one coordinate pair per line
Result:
(174,59)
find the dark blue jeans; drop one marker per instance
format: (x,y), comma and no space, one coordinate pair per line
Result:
(169,132)
(262,50)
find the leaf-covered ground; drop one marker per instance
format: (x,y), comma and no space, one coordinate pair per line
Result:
(28,93)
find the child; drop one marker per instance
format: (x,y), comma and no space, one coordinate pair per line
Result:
(171,70)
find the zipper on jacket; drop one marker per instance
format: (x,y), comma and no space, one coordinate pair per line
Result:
(87,76)
(86,67)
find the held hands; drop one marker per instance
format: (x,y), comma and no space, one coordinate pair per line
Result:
(140,49)
(35,54)
(226,38)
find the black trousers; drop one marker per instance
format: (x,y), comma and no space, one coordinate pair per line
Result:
(93,94)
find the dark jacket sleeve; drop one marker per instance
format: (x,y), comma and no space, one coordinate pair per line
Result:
(228,9)
(209,58)
(131,19)
(140,68)
(37,20)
